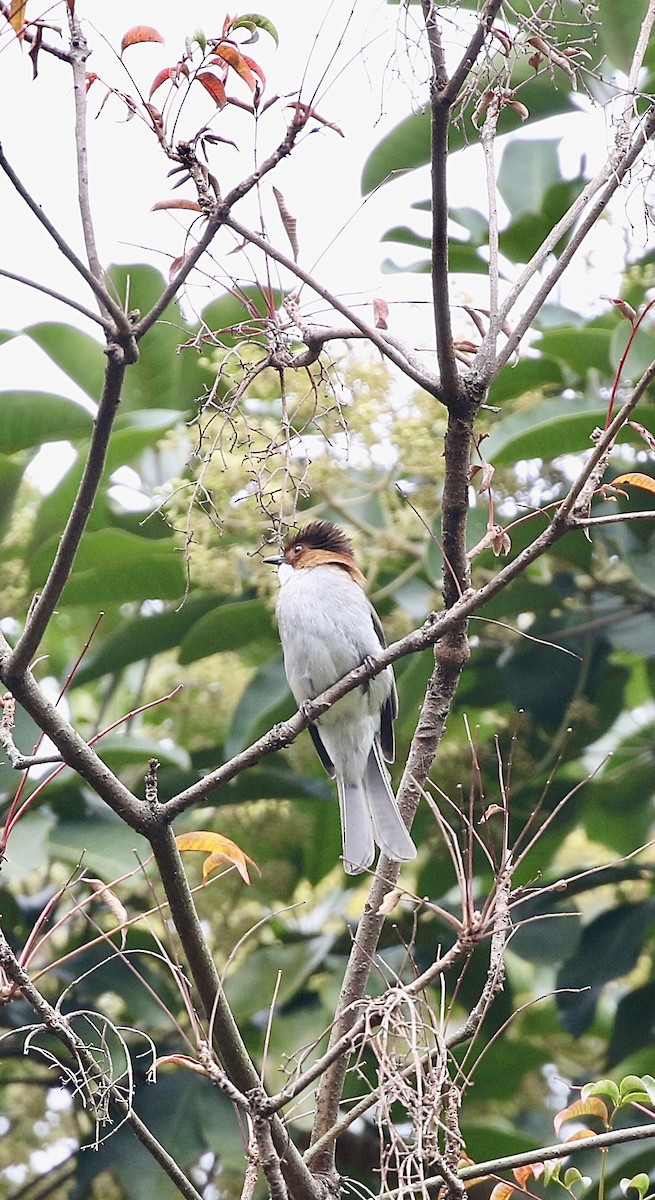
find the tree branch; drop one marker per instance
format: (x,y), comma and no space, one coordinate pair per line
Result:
(226,1037)
(58,1025)
(425,379)
(79,52)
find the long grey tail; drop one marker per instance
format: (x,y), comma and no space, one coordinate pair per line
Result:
(369,815)
(389,829)
(356,827)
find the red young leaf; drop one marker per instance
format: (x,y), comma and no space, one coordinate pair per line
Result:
(256,70)
(234,59)
(592,1106)
(168,73)
(189,205)
(140,33)
(90,78)
(214,86)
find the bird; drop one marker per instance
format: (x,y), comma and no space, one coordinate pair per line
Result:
(327,627)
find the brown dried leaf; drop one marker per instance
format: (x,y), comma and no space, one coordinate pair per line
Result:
(390,901)
(289,222)
(189,205)
(104,893)
(503,37)
(305,111)
(175,266)
(626,310)
(491,811)
(34,50)
(519,108)
(180,1060)
(643,433)
(138,34)
(501,543)
(380,312)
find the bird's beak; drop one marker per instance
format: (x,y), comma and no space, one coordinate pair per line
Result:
(275,559)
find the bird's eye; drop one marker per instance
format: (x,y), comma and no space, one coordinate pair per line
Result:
(297,549)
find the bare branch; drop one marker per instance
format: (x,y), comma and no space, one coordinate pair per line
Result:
(79,52)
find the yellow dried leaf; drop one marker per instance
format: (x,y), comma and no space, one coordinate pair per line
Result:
(219,850)
(17,16)
(636,479)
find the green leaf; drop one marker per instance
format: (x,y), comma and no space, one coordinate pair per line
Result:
(617,30)
(266,690)
(408,145)
(545,430)
(165,376)
(105,845)
(227,628)
(527,169)
(76,353)
(11,474)
(113,566)
(602,1087)
(629,1086)
(255,21)
(609,948)
(528,375)
(29,419)
(406,237)
(142,638)
(582,350)
(463,259)
(640,1183)
(122,750)
(252,986)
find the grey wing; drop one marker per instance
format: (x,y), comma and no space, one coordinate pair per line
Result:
(321,751)
(390,706)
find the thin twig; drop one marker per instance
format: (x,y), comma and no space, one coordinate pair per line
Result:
(58,1025)
(106,324)
(101,293)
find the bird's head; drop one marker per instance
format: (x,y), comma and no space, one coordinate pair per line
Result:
(316,545)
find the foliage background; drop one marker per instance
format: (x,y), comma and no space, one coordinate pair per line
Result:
(561,675)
